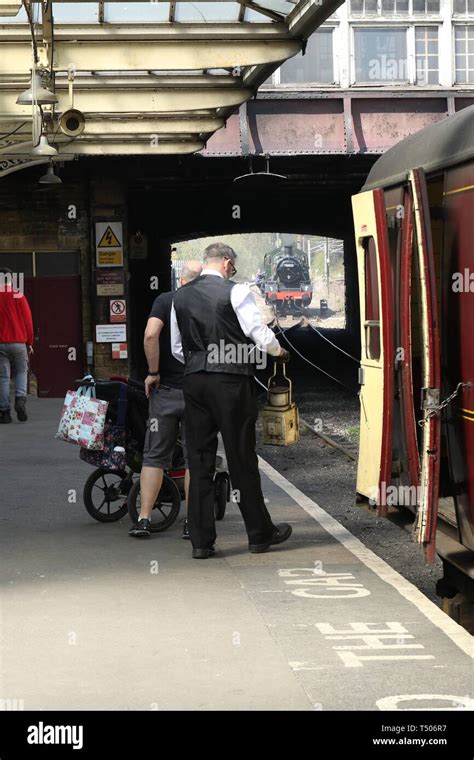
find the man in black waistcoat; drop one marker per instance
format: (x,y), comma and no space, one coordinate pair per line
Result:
(217,330)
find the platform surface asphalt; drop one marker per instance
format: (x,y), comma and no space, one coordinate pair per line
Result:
(93,619)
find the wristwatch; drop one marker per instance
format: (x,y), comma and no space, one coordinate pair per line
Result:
(154,374)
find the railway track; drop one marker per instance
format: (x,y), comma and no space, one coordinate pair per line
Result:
(338,442)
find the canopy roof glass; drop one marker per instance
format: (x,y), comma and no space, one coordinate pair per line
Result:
(159,11)
(148,77)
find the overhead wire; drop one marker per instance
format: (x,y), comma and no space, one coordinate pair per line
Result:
(329,341)
(8,134)
(308,361)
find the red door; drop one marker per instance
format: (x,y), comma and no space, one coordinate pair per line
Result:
(56,307)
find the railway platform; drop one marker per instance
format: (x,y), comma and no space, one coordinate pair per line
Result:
(107,622)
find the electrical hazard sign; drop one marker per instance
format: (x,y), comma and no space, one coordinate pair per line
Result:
(109,244)
(118,310)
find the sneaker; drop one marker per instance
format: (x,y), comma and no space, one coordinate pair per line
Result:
(5,417)
(141,529)
(186,531)
(20,409)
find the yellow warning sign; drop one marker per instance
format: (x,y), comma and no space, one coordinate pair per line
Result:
(109,248)
(109,239)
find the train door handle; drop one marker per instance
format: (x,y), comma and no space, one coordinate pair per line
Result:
(361,376)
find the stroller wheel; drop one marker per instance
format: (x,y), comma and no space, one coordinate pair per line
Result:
(166,507)
(105,494)
(221,494)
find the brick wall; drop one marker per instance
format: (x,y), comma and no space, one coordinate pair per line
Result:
(108,202)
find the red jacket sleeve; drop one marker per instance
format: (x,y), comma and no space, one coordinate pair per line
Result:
(27,319)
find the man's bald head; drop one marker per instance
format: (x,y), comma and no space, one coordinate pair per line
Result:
(190,270)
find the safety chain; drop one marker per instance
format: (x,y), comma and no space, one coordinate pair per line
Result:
(437,409)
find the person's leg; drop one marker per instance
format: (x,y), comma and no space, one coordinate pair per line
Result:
(4,378)
(187,481)
(160,440)
(237,409)
(19,358)
(182,435)
(151,480)
(201,444)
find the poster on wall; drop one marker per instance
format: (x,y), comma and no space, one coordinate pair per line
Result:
(110,333)
(109,283)
(109,244)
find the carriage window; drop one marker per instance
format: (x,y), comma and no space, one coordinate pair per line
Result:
(372,308)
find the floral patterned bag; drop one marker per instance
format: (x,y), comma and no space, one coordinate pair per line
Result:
(83,419)
(115,435)
(108,458)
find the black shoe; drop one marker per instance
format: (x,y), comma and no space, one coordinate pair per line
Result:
(281,533)
(141,529)
(203,553)
(186,531)
(20,409)
(5,417)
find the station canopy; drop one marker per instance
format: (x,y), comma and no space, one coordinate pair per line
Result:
(148,77)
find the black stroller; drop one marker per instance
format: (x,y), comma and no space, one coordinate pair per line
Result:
(113,490)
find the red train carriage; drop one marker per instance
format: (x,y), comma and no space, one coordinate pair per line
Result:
(414,229)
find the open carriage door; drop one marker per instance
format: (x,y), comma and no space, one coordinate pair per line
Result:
(376,370)
(425,524)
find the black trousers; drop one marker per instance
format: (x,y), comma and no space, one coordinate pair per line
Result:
(217,402)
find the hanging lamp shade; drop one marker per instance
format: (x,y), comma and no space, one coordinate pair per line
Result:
(44,148)
(43,96)
(50,178)
(260,180)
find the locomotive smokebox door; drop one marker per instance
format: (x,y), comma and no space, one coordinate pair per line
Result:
(280,413)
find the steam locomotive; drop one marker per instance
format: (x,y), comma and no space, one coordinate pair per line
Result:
(286,282)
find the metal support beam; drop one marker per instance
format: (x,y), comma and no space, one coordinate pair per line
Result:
(9,8)
(48,31)
(124,101)
(348,125)
(164,31)
(97,126)
(118,148)
(125,55)
(244,130)
(260,9)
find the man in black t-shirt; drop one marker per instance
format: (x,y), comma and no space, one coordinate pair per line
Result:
(164,389)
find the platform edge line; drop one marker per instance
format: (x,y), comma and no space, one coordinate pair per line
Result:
(385,572)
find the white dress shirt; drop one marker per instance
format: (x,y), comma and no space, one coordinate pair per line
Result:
(247,312)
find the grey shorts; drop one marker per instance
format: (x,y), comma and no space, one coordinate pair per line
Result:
(165,424)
